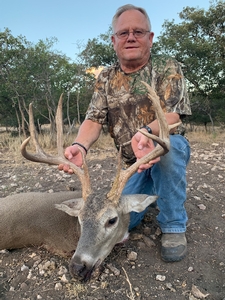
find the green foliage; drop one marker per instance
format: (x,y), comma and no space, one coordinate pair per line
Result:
(99,51)
(198,42)
(35,73)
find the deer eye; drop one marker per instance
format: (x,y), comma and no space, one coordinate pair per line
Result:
(111,222)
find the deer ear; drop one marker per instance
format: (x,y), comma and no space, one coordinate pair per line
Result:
(71,207)
(136,202)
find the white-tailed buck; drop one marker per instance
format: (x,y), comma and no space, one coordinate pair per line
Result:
(94,222)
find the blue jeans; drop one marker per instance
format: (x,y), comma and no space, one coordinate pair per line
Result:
(167,179)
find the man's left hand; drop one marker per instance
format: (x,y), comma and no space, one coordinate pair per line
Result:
(141,146)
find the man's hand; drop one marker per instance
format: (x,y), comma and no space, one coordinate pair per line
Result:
(141,146)
(73,154)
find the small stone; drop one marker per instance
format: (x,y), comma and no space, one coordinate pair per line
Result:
(58,286)
(62,270)
(132,256)
(149,242)
(24,268)
(41,272)
(113,269)
(160,277)
(190,269)
(4,251)
(32,255)
(202,206)
(197,293)
(135,236)
(64,279)
(24,286)
(158,231)
(170,287)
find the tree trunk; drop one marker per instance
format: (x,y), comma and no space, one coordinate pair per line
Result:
(78,107)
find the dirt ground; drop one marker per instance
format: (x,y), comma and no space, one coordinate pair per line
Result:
(135,269)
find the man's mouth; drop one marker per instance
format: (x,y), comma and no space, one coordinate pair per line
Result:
(130,47)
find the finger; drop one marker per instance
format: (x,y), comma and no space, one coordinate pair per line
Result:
(154,161)
(70,171)
(68,155)
(144,167)
(60,167)
(64,168)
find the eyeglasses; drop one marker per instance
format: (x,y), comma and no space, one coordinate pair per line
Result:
(138,33)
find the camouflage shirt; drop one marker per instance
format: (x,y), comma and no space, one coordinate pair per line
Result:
(120,100)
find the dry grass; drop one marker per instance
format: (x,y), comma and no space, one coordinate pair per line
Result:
(11,144)
(206,138)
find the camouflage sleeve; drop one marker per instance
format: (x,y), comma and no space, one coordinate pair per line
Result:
(98,109)
(175,90)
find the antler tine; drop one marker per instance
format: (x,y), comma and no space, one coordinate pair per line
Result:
(42,157)
(161,148)
(59,126)
(40,154)
(163,125)
(84,178)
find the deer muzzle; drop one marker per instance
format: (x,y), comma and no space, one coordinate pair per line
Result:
(81,270)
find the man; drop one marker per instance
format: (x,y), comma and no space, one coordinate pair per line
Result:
(120,100)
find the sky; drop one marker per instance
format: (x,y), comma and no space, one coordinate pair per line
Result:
(73,22)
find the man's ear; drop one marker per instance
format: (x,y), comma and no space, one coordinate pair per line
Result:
(113,41)
(136,202)
(71,207)
(151,35)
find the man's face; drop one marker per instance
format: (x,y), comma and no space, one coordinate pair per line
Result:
(132,52)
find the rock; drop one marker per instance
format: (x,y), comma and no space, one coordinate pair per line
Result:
(64,279)
(196,293)
(24,268)
(202,206)
(132,256)
(170,287)
(160,277)
(62,270)
(149,242)
(113,269)
(24,286)
(58,286)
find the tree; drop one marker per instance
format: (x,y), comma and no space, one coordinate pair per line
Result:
(12,72)
(99,51)
(35,73)
(198,43)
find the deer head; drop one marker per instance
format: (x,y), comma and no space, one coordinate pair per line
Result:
(103,219)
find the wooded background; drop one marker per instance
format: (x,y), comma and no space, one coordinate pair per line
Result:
(35,73)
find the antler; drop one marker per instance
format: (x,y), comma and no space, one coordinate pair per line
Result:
(162,147)
(41,156)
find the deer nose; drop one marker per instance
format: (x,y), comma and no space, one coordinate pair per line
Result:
(79,268)
(82,271)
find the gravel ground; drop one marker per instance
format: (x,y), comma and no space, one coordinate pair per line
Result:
(133,270)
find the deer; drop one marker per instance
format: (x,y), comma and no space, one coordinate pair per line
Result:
(86,223)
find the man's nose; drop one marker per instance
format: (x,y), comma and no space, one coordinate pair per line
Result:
(131,36)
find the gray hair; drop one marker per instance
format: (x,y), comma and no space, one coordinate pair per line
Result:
(126,7)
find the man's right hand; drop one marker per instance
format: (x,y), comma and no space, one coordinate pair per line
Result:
(73,154)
